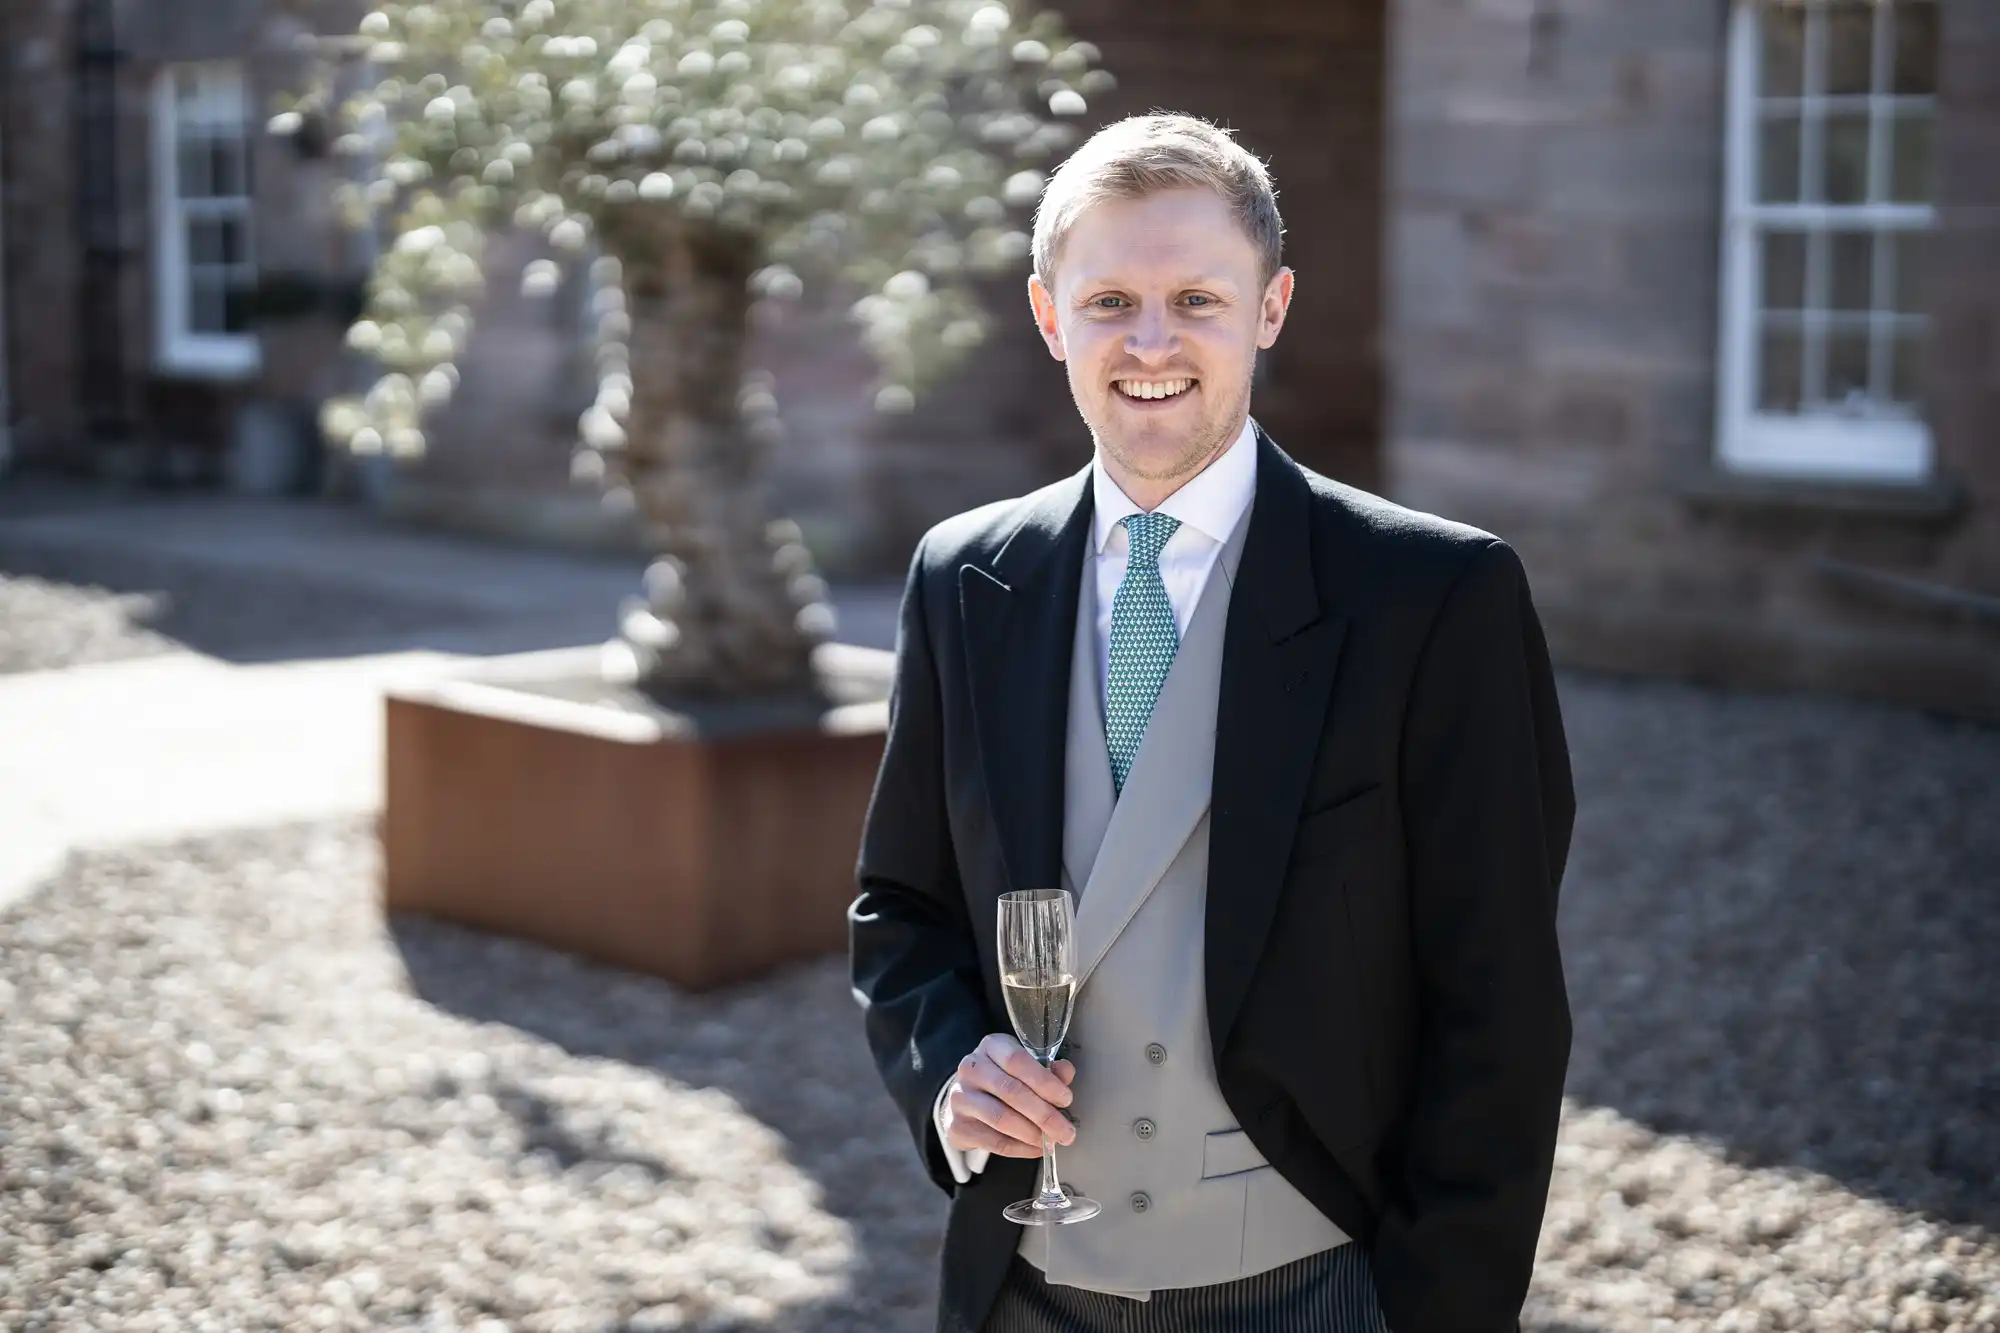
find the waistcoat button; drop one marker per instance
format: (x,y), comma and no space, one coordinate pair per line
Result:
(1140,1203)
(1156,1053)
(1143,1128)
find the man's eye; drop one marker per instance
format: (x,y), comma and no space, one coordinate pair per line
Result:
(1196,298)
(1109,302)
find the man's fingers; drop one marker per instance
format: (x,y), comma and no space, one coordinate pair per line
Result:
(1065,1071)
(969,1134)
(1008,1055)
(996,1047)
(1036,1079)
(991,1078)
(969,1104)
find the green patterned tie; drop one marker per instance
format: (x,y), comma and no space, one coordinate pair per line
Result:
(1144,640)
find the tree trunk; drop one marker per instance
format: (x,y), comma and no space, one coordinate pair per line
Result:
(732,606)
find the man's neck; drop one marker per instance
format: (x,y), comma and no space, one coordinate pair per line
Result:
(1149,493)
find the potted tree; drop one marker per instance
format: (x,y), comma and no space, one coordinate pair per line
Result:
(688,801)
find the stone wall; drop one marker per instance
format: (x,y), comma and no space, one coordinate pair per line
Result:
(38,200)
(1554,221)
(1301,83)
(39,189)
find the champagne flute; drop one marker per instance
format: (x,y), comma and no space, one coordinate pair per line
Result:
(1037,934)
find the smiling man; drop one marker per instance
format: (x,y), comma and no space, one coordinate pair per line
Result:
(1297,752)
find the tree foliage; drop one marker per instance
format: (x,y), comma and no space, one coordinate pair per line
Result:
(888,147)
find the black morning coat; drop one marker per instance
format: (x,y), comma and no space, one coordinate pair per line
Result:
(1390,815)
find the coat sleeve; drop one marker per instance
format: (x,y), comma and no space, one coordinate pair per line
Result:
(913,956)
(1488,807)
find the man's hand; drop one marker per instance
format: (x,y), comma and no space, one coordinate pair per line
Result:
(1002,1100)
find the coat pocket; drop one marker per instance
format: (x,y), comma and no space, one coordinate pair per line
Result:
(1333,827)
(1228,1152)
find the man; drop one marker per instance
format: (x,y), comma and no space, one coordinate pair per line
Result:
(1297,752)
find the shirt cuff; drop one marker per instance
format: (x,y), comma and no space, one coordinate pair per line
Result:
(964,1165)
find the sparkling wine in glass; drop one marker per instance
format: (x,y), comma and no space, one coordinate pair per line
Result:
(1038,978)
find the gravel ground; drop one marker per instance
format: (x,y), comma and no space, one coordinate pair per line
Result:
(232,1099)
(67,605)
(46,624)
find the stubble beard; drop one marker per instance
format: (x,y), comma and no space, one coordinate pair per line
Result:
(1214,434)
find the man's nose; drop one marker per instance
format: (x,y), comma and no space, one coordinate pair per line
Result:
(1152,338)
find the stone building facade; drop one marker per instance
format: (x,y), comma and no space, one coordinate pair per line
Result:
(1608,222)
(164,261)
(1633,283)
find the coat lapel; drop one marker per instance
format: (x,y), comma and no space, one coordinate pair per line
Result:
(1088,796)
(1279,657)
(1020,617)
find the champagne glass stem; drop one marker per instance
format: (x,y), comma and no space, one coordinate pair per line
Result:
(1050,1195)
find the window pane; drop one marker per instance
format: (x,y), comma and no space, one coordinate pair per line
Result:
(1778,161)
(1846,163)
(1784,270)
(1780,358)
(195,181)
(205,303)
(1916,47)
(236,305)
(227,155)
(1906,363)
(1910,158)
(1782,32)
(1850,26)
(205,241)
(1853,270)
(1847,367)
(1909,282)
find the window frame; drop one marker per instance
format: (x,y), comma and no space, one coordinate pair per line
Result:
(1821,445)
(179,349)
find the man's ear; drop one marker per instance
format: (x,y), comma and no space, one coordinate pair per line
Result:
(1043,302)
(1277,300)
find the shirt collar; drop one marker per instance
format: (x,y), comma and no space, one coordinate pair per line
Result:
(1212,502)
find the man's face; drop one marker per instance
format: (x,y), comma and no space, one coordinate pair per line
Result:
(1158,310)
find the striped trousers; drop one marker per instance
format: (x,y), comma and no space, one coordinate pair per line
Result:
(1329,1292)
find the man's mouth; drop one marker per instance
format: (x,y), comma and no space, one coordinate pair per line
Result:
(1153,390)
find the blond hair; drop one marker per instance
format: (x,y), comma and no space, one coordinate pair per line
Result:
(1143,155)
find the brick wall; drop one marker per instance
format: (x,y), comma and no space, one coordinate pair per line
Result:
(1964,379)
(1301,83)
(36,194)
(1554,220)
(39,189)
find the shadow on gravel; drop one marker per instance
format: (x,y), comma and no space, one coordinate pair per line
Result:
(544,1128)
(788,1050)
(1780,924)
(103,604)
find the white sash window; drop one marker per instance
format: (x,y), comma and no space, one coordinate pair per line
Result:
(202,213)
(1829,202)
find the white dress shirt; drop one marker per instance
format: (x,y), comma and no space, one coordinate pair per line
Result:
(1209,506)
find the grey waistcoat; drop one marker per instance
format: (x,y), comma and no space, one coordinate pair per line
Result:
(1188,1200)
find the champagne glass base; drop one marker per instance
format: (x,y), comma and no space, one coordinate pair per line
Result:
(1035,1213)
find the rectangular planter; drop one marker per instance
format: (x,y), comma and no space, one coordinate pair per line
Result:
(702,849)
